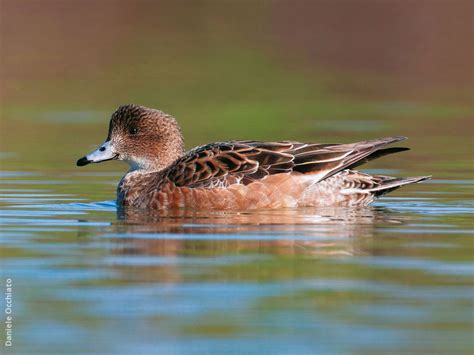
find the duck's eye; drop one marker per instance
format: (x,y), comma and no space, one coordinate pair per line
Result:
(133,130)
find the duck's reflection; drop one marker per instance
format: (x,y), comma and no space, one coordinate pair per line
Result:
(315,231)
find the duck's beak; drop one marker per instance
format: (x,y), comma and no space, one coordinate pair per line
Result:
(103,153)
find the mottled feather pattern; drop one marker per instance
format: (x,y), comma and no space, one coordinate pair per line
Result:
(249,161)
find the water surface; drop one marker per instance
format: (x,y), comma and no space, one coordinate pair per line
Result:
(395,275)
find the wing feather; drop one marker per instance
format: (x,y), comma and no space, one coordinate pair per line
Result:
(221,164)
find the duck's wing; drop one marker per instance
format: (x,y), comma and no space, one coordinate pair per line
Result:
(328,159)
(222,164)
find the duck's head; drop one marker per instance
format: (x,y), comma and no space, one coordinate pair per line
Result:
(145,138)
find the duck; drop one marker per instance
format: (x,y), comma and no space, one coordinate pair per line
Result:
(237,174)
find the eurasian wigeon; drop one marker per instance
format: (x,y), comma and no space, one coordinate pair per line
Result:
(236,175)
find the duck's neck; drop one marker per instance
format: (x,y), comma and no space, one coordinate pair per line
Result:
(154,163)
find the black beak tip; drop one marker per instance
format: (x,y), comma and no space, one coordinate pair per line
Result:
(83,161)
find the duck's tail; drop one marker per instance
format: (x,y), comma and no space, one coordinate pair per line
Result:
(388,184)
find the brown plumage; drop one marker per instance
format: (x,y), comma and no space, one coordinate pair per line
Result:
(237,174)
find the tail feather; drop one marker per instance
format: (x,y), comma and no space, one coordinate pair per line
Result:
(388,184)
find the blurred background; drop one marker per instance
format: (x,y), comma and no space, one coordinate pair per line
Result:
(307,70)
